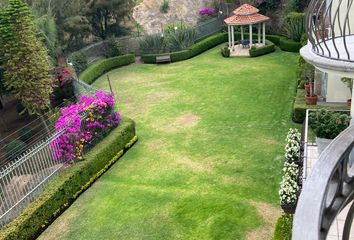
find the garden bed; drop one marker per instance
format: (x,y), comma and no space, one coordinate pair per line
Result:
(65,188)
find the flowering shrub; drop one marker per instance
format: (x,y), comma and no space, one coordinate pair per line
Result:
(206,11)
(289,189)
(89,119)
(292,148)
(291,170)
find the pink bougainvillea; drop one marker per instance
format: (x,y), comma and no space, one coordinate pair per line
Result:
(89,119)
(206,11)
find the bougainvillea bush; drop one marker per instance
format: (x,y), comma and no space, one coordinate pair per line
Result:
(83,123)
(207,11)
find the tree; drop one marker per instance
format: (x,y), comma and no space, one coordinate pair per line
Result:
(25,60)
(106,16)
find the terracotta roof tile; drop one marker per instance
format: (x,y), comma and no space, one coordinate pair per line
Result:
(246,19)
(245,9)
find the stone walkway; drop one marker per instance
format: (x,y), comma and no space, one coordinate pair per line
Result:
(336,231)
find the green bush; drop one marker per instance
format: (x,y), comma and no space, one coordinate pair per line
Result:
(225,51)
(289,45)
(25,133)
(101,67)
(283,228)
(180,55)
(274,39)
(294,24)
(179,36)
(300,107)
(14,149)
(152,44)
(70,183)
(79,62)
(268,48)
(114,48)
(165,6)
(328,124)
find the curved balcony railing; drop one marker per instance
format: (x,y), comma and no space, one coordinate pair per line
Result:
(330,28)
(329,189)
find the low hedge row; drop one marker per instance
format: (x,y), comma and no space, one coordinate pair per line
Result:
(300,107)
(96,70)
(69,184)
(283,228)
(195,50)
(268,48)
(289,45)
(210,42)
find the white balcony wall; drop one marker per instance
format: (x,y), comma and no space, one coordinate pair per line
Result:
(337,91)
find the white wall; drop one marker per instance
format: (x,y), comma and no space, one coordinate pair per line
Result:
(337,91)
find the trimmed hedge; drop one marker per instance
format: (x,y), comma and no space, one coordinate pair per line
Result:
(283,228)
(70,183)
(268,48)
(193,51)
(274,39)
(96,70)
(289,45)
(300,107)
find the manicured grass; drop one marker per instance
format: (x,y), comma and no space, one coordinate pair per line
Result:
(208,162)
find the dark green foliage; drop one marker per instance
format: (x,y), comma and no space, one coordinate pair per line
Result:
(114,48)
(283,227)
(179,36)
(98,69)
(152,44)
(25,61)
(79,62)
(64,189)
(225,51)
(289,45)
(300,107)
(25,134)
(165,6)
(268,48)
(328,124)
(294,25)
(15,149)
(195,50)
(274,39)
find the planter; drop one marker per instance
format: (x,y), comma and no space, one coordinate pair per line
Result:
(349,102)
(322,143)
(289,208)
(311,100)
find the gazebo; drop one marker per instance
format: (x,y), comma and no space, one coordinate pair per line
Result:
(246,15)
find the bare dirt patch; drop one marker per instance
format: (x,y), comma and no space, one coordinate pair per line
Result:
(269,214)
(183,122)
(156,144)
(194,165)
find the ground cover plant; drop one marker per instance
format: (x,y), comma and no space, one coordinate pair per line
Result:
(209,159)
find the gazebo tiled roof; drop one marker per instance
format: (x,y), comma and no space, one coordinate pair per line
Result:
(245,9)
(246,14)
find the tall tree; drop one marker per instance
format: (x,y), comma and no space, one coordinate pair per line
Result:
(106,16)
(25,60)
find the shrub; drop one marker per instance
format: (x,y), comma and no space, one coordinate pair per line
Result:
(152,44)
(328,124)
(98,69)
(79,62)
(25,133)
(292,148)
(68,186)
(14,149)
(289,189)
(289,45)
(274,39)
(180,55)
(165,6)
(179,36)
(259,51)
(283,228)
(225,51)
(114,48)
(294,25)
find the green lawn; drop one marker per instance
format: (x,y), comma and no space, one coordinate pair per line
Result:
(209,157)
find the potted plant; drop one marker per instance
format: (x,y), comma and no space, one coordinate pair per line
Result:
(308,75)
(327,125)
(288,193)
(349,83)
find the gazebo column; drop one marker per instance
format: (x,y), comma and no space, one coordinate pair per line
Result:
(259,33)
(264,35)
(251,40)
(229,31)
(233,37)
(242,33)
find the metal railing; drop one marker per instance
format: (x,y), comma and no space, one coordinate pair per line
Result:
(330,28)
(21,181)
